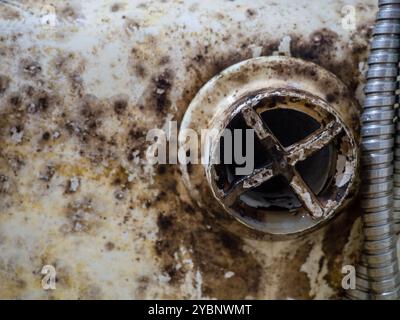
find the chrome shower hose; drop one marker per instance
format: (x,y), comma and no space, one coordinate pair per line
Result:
(378,271)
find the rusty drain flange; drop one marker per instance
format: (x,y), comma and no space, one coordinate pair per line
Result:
(306,137)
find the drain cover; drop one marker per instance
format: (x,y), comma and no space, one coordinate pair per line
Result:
(304,139)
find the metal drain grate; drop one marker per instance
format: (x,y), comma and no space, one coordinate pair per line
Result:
(283,161)
(306,153)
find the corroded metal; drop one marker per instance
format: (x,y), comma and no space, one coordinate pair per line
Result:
(266,90)
(284,162)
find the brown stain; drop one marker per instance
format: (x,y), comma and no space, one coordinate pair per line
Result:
(140,70)
(64,278)
(4,83)
(321,48)
(89,120)
(206,64)
(294,283)
(139,59)
(116,7)
(81,217)
(227,255)
(251,13)
(162,84)
(120,106)
(67,12)
(71,66)
(110,246)
(335,239)
(318,48)
(214,251)
(30,68)
(89,291)
(19,108)
(143,284)
(120,178)
(83,121)
(9,13)
(13,280)
(4,184)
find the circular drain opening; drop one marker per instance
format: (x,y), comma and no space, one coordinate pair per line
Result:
(289,127)
(296,148)
(306,152)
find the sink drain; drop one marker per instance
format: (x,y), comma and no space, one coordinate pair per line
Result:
(305,146)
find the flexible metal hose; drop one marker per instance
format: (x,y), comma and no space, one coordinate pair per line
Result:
(378,272)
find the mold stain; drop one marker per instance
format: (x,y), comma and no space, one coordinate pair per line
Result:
(321,48)
(9,13)
(213,251)
(4,83)
(81,217)
(63,103)
(293,283)
(334,242)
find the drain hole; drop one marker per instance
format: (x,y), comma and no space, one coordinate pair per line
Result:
(289,127)
(317,169)
(274,194)
(261,156)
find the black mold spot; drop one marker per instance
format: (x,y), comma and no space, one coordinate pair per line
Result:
(230,242)
(221,63)
(46,136)
(251,13)
(161,169)
(321,263)
(140,70)
(47,173)
(321,48)
(4,184)
(164,222)
(332,97)
(19,128)
(43,103)
(164,60)
(4,83)
(135,134)
(85,127)
(71,66)
(188,208)
(15,100)
(32,68)
(198,58)
(319,43)
(68,13)
(120,106)
(162,85)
